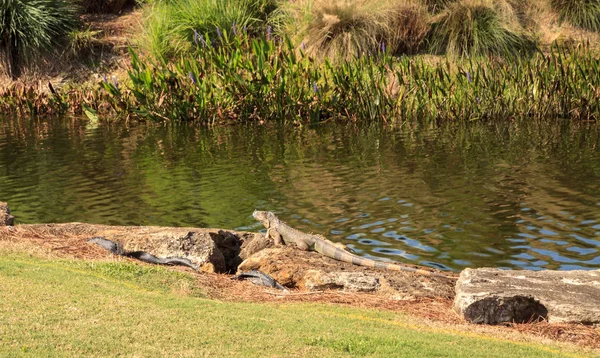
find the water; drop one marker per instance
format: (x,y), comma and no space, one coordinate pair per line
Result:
(510,195)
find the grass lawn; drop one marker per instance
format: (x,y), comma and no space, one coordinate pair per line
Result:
(52,307)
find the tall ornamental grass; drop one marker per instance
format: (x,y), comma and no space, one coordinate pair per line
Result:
(176,26)
(30,27)
(345,29)
(479,28)
(436,6)
(581,13)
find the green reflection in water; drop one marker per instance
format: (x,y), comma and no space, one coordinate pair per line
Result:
(509,195)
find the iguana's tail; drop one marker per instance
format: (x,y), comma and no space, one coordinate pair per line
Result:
(334,252)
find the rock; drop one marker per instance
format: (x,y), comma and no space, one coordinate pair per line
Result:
(316,280)
(198,247)
(494,296)
(5,218)
(310,270)
(253,244)
(230,246)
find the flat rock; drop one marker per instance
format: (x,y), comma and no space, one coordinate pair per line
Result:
(494,296)
(308,270)
(5,218)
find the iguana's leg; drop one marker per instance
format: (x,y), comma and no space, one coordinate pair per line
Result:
(302,245)
(276,236)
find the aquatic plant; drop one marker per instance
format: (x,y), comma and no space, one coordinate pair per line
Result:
(581,13)
(478,28)
(256,79)
(250,78)
(29,27)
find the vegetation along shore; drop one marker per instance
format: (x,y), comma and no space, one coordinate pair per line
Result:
(303,61)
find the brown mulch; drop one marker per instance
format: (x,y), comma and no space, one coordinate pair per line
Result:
(70,241)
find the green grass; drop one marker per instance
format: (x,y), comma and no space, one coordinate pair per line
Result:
(70,308)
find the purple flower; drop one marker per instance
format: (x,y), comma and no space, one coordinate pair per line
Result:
(219,32)
(196,37)
(234,29)
(469,79)
(192,77)
(303,45)
(383,47)
(245,28)
(315,88)
(269,31)
(203,41)
(116,82)
(104,79)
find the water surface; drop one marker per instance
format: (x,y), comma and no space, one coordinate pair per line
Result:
(513,195)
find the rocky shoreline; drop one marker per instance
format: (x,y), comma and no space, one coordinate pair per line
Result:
(489,296)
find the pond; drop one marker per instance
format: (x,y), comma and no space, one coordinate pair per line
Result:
(511,195)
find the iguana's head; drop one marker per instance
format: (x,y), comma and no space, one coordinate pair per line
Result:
(263,216)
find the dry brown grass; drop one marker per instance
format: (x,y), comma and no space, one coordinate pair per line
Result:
(343,29)
(538,17)
(409,27)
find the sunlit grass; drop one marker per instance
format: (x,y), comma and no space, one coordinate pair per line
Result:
(67,308)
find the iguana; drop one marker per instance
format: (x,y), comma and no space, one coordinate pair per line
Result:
(284,234)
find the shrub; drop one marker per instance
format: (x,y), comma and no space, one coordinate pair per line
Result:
(478,28)
(29,27)
(344,29)
(581,13)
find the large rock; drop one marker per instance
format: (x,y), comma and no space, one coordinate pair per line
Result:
(5,218)
(494,296)
(211,251)
(310,270)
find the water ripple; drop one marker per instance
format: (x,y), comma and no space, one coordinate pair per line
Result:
(504,197)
